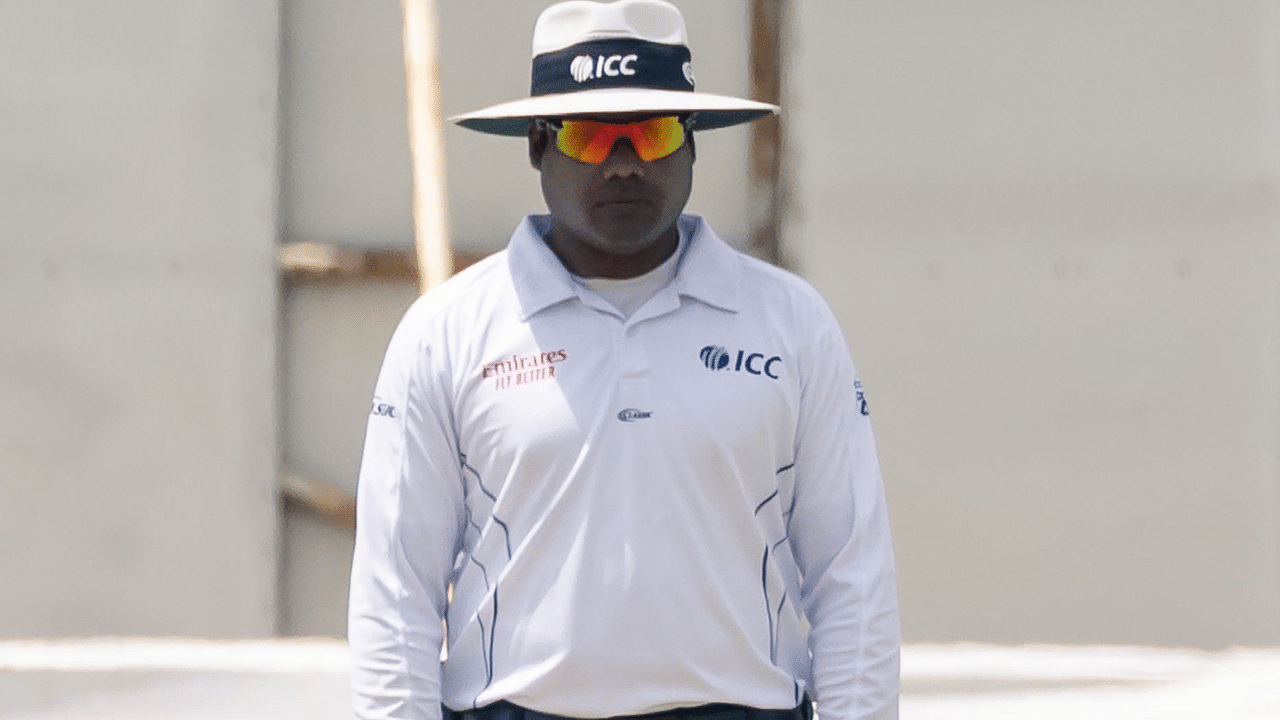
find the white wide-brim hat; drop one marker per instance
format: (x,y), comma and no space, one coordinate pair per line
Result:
(628,56)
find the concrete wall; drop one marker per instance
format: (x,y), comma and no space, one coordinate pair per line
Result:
(1050,230)
(137,338)
(332,338)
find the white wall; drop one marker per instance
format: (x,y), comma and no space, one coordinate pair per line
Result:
(1050,231)
(332,336)
(137,337)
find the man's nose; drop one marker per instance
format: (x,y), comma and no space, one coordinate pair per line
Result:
(623,161)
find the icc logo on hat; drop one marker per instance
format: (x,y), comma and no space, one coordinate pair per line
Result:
(585,67)
(627,56)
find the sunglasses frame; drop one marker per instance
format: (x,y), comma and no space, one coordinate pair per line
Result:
(555,125)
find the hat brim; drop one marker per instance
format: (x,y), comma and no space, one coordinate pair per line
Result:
(713,111)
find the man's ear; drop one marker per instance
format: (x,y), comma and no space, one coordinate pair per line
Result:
(539,138)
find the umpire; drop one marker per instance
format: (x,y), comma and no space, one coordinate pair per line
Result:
(620,469)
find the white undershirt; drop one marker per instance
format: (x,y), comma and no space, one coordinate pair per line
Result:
(629,294)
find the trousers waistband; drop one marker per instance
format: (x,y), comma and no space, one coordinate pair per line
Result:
(504,710)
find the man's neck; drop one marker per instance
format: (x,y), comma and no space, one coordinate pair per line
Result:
(586,261)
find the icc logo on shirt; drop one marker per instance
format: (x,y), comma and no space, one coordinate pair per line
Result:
(716,357)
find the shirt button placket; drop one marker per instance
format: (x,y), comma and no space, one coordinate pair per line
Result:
(635,361)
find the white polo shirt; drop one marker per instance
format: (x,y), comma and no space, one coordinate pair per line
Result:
(677,508)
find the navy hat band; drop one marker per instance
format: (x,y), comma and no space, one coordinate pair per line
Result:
(618,63)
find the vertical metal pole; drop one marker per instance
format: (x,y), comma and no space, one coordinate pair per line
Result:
(767,192)
(426,143)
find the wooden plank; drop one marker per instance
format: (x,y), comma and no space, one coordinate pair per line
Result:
(768,18)
(426,143)
(333,503)
(319,263)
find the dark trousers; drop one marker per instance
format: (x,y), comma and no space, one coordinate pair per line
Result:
(504,710)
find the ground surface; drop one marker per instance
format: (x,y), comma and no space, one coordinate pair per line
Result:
(293,680)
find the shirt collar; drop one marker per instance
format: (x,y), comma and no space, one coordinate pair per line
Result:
(540,279)
(708,271)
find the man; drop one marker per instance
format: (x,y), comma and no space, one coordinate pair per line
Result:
(628,469)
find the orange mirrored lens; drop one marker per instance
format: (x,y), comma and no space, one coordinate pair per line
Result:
(591,141)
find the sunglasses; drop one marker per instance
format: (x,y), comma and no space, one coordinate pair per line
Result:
(591,141)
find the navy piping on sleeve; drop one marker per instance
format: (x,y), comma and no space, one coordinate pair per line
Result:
(483,571)
(766,502)
(471,519)
(506,531)
(493,631)
(487,648)
(786,515)
(768,608)
(774,627)
(484,657)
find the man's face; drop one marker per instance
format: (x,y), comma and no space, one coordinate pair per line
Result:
(616,218)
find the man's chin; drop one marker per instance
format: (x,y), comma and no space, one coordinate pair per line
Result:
(622,238)
(624,218)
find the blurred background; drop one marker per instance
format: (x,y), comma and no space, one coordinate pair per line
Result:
(1050,229)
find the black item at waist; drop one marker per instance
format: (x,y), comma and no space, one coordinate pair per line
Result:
(506,711)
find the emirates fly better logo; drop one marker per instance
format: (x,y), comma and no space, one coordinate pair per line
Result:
(716,358)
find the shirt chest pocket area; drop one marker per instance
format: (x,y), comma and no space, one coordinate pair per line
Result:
(734,398)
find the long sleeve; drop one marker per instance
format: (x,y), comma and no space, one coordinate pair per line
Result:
(840,537)
(409,504)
